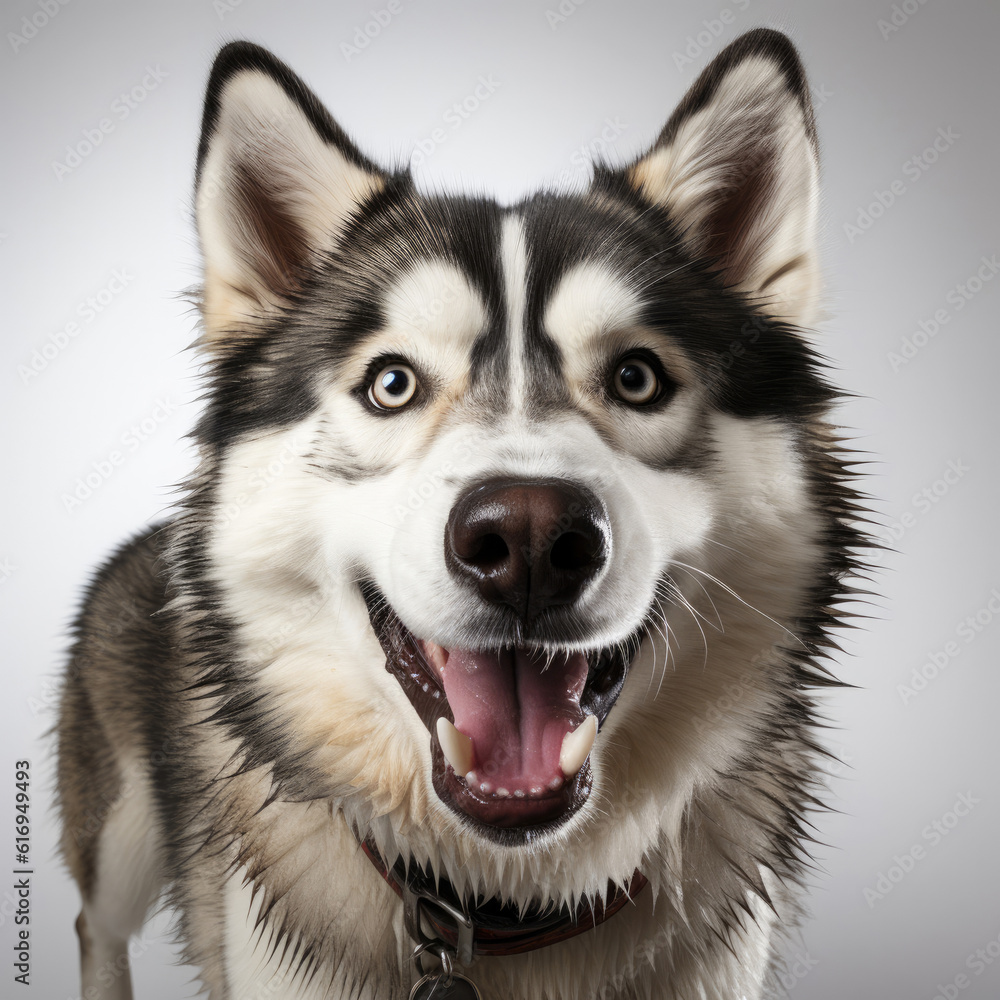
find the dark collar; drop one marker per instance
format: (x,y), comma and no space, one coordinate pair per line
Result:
(435,913)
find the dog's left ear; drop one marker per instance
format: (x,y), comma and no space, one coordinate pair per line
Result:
(736,168)
(277,181)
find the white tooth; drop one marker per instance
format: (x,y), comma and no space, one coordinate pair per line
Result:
(437,656)
(577,745)
(457,748)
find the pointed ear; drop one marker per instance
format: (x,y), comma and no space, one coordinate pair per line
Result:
(736,168)
(277,181)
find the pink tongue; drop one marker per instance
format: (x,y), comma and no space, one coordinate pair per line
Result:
(516,713)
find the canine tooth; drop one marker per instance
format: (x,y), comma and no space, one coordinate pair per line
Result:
(437,655)
(577,745)
(457,748)
(486,788)
(470,778)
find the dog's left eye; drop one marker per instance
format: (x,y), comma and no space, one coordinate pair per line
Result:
(394,386)
(634,381)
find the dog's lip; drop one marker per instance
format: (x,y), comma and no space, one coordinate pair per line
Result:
(509,820)
(512,818)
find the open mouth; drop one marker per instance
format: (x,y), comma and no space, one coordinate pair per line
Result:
(511,729)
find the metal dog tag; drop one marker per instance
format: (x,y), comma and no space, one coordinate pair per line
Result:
(442,987)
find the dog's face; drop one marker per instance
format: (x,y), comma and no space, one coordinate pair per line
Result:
(499,500)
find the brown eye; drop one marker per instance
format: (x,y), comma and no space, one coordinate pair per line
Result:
(393,387)
(635,381)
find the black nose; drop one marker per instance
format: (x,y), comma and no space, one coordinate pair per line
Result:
(531,544)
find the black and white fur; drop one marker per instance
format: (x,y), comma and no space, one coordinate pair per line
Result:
(228,718)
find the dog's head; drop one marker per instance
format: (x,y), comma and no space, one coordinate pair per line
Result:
(499,502)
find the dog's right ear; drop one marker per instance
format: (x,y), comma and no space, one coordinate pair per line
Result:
(277,180)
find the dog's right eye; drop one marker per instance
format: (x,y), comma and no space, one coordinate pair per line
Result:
(634,380)
(393,387)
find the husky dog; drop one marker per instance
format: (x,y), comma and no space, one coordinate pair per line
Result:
(488,624)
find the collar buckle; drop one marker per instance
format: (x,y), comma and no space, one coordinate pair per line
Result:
(419,904)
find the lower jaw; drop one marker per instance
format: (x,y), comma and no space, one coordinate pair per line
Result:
(510,821)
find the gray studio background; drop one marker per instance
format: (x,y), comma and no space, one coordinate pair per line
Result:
(103,239)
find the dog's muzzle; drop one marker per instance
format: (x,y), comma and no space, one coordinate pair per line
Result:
(514,720)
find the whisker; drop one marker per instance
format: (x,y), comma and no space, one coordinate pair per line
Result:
(665,632)
(743,601)
(677,598)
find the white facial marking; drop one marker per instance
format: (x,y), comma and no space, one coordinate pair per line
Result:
(434,302)
(590,300)
(514,258)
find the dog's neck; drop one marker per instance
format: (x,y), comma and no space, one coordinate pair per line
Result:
(435,915)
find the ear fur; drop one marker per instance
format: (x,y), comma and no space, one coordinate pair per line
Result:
(277,180)
(736,168)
